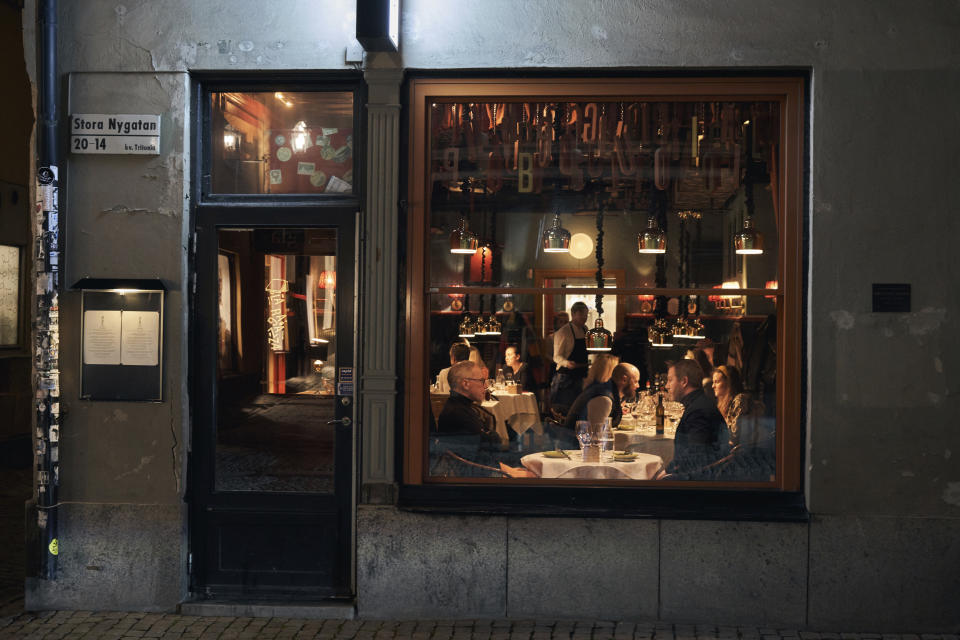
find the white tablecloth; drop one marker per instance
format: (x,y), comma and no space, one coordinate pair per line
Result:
(644,435)
(520,409)
(643,468)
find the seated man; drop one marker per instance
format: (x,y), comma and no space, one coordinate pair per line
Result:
(701,432)
(459,352)
(462,413)
(600,400)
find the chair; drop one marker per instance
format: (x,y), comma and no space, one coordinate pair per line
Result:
(452,465)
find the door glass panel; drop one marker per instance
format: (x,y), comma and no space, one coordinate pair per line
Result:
(277,332)
(282,142)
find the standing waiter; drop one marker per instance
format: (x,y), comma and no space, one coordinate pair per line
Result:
(570,355)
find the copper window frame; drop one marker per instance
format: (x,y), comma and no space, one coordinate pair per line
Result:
(788,91)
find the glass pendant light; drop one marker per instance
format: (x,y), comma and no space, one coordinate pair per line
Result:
(680,328)
(493,326)
(556,239)
(652,239)
(467,328)
(695,329)
(462,240)
(483,326)
(659,334)
(748,240)
(598,338)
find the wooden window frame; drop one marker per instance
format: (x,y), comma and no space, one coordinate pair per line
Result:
(790,92)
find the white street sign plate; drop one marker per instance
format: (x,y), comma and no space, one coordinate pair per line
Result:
(115,133)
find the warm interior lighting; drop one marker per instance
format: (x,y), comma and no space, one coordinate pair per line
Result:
(467,328)
(462,240)
(748,240)
(282,98)
(652,239)
(598,338)
(300,140)
(556,239)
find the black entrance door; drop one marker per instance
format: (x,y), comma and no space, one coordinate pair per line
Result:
(273,451)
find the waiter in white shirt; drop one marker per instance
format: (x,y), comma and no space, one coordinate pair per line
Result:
(570,356)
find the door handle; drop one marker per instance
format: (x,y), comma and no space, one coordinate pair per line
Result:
(346,422)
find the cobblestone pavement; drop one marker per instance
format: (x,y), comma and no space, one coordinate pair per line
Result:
(70,625)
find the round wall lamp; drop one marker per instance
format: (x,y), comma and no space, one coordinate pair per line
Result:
(581,246)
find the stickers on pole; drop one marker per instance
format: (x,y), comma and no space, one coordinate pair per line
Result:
(54,547)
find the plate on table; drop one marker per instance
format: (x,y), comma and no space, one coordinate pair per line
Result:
(624,457)
(625,427)
(555,454)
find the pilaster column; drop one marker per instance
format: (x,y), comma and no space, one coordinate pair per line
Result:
(379,301)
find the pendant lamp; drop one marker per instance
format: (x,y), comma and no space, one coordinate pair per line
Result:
(598,338)
(660,334)
(556,239)
(467,328)
(652,239)
(462,240)
(748,240)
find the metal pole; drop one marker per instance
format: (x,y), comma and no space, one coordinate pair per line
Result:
(47,325)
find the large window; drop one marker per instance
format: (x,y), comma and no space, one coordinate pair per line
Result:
(604,252)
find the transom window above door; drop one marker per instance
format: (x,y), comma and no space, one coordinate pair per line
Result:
(277,142)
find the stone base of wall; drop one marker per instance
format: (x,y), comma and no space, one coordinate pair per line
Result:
(846,573)
(115,558)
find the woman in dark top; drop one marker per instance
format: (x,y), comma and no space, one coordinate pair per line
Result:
(516,369)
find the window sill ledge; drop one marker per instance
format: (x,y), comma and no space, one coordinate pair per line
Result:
(687,504)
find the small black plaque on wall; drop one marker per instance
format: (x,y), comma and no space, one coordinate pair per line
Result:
(889,298)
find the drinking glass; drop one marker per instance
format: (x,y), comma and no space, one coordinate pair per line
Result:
(584,433)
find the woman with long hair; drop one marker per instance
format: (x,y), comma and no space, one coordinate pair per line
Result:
(601,369)
(738,409)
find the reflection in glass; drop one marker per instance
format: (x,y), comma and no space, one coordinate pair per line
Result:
(678,181)
(282,142)
(277,318)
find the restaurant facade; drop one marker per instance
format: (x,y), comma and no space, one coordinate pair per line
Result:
(266,231)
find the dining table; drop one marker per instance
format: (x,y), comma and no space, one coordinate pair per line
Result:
(519,409)
(571,465)
(642,436)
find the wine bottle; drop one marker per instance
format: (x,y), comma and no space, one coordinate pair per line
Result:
(660,414)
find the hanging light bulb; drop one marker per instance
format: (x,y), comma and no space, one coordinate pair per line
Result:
(462,240)
(748,240)
(467,329)
(556,239)
(652,239)
(598,338)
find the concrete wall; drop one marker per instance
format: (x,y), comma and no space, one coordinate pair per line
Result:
(882,393)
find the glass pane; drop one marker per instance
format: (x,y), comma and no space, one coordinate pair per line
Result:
(276,345)
(9,294)
(279,142)
(514,412)
(697,172)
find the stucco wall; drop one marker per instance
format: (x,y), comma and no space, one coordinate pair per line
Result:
(882,394)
